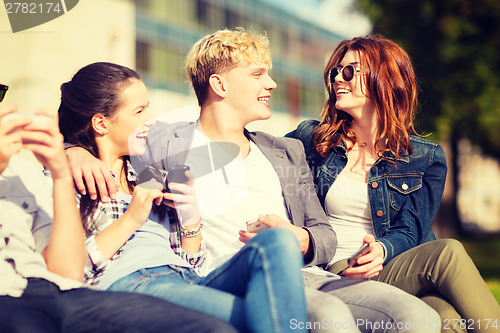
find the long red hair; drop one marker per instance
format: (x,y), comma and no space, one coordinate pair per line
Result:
(390,83)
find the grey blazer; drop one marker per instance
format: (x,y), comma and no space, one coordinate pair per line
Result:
(170,143)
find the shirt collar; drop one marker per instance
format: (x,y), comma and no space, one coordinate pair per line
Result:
(388,155)
(131,173)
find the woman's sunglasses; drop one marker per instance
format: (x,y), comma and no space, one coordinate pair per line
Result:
(3,90)
(347,72)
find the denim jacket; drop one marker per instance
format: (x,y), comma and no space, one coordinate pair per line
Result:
(403,199)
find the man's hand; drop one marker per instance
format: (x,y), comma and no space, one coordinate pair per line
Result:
(87,169)
(370,264)
(10,135)
(274,221)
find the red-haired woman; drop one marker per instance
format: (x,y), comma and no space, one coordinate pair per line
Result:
(380,184)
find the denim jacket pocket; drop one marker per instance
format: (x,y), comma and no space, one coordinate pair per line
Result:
(400,186)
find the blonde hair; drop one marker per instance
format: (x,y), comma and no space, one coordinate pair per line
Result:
(220,52)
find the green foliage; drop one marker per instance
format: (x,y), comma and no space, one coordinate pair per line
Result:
(455,47)
(484,254)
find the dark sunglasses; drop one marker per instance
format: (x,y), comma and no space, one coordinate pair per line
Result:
(347,72)
(3,90)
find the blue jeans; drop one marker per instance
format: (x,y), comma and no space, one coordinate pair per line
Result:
(44,308)
(260,289)
(379,307)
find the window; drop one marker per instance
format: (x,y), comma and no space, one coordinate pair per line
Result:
(202,12)
(142,56)
(144,4)
(231,19)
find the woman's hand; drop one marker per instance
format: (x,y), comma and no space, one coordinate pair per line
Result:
(183,198)
(142,201)
(370,264)
(112,238)
(274,221)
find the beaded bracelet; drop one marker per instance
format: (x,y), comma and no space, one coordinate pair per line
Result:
(192,233)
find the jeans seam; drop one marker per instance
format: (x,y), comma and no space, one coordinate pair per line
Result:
(271,298)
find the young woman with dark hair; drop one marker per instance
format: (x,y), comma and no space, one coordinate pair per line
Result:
(95,89)
(104,109)
(381,184)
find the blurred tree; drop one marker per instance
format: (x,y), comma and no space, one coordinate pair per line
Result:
(455,47)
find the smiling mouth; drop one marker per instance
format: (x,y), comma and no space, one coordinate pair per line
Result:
(264,99)
(142,136)
(342,91)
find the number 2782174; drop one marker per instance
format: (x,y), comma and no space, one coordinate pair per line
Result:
(32,7)
(470,324)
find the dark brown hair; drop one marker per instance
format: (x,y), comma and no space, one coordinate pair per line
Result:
(94,89)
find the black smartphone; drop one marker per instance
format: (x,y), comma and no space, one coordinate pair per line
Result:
(352,260)
(176,174)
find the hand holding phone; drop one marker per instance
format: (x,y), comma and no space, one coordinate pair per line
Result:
(35,118)
(256,226)
(352,260)
(177,174)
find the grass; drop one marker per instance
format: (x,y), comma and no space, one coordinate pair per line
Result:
(494,286)
(486,255)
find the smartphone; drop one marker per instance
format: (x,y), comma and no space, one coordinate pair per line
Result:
(36,118)
(177,174)
(352,260)
(256,226)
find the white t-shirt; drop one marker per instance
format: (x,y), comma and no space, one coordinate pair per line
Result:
(228,197)
(348,211)
(25,221)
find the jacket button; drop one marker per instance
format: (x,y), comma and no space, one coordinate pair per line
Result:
(380,213)
(374,185)
(404,186)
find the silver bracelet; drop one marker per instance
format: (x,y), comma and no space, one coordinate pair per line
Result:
(192,233)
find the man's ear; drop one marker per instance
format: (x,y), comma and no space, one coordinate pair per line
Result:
(216,83)
(99,124)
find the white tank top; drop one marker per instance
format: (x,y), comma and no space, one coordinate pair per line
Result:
(348,211)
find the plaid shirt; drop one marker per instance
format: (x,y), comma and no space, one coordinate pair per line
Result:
(104,216)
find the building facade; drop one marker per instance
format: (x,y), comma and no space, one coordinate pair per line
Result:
(167,29)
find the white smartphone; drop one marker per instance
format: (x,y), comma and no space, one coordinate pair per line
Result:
(352,260)
(256,226)
(37,118)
